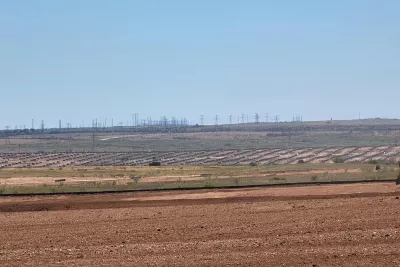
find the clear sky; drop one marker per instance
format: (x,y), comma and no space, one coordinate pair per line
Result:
(76,60)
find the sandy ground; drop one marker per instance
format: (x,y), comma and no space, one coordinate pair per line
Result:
(337,225)
(52,180)
(125,180)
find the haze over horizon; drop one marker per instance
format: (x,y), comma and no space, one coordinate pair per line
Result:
(79,60)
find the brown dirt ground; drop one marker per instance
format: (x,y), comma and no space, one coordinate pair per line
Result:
(336,225)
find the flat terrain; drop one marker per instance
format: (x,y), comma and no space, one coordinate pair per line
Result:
(97,179)
(340,225)
(283,135)
(387,154)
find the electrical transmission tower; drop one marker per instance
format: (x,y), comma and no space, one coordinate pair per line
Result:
(256,118)
(202,119)
(266,117)
(216,119)
(230,119)
(276,119)
(165,121)
(136,119)
(242,117)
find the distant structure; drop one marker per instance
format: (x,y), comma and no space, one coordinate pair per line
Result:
(243,117)
(136,124)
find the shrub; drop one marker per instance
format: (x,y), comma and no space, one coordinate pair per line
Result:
(155,163)
(339,160)
(314,177)
(135,178)
(278,179)
(301,161)
(253,164)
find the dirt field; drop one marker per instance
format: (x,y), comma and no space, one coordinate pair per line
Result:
(341,225)
(388,154)
(164,178)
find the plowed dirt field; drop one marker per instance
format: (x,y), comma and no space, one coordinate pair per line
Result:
(332,225)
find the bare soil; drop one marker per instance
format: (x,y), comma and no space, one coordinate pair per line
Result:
(12,181)
(337,225)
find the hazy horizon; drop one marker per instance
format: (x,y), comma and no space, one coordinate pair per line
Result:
(75,61)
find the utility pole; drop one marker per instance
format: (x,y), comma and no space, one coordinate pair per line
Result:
(59,124)
(42,125)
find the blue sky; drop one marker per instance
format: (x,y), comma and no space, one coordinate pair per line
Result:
(76,60)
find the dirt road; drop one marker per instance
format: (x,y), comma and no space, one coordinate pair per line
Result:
(337,225)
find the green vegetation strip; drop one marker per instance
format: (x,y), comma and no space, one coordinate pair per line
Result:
(91,191)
